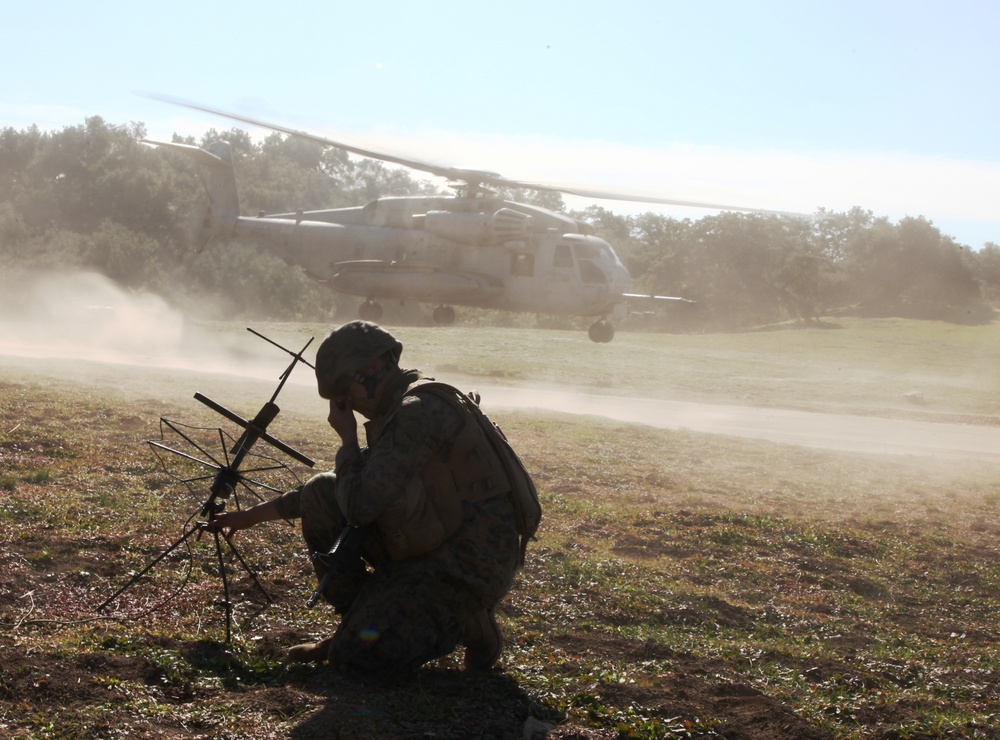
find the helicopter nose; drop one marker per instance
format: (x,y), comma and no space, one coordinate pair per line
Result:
(621,281)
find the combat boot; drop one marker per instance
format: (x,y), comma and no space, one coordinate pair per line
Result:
(482,639)
(309,652)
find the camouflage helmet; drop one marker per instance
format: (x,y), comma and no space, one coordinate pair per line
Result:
(349,348)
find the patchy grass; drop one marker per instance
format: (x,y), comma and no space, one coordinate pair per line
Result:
(842,364)
(682,585)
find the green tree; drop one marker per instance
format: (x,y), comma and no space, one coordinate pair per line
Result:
(910,269)
(127,257)
(17,150)
(94,196)
(986,267)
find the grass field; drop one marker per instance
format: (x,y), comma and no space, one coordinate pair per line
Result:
(682,585)
(843,365)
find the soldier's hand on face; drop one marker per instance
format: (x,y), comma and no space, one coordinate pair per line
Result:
(342,419)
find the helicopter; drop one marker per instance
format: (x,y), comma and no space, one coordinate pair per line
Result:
(471,249)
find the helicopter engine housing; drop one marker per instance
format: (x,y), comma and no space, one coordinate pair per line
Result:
(501,226)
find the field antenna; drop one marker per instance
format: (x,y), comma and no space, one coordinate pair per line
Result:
(227,473)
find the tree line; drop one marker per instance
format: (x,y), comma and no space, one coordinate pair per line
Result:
(94,197)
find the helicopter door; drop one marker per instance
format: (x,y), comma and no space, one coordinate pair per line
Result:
(562,258)
(559,276)
(522,264)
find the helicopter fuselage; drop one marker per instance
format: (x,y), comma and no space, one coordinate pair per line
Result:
(469,251)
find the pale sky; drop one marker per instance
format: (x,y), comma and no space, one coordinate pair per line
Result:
(780,104)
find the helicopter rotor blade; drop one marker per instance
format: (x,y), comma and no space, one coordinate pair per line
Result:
(638,198)
(472,177)
(451,173)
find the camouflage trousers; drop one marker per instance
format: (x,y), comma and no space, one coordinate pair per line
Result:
(401,614)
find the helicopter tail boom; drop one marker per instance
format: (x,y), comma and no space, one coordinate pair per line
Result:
(215,161)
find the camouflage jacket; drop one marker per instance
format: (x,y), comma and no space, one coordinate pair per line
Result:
(396,482)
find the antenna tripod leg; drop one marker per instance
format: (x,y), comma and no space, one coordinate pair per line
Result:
(250,571)
(152,564)
(223,572)
(227,603)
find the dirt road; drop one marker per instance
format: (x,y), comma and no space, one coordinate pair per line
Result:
(846,432)
(829,431)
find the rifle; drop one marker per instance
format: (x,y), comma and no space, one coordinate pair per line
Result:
(345,552)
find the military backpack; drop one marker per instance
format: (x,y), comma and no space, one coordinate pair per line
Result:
(523,494)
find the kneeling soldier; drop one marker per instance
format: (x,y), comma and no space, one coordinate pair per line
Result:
(438,536)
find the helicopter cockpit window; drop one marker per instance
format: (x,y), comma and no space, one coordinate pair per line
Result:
(585,251)
(522,265)
(607,253)
(591,274)
(562,257)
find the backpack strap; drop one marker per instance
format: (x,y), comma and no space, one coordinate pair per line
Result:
(523,495)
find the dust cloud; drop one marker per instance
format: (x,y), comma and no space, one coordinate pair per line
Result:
(73,324)
(84,316)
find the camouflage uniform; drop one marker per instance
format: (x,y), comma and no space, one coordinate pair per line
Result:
(405,611)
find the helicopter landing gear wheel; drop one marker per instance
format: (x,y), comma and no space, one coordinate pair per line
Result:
(601,331)
(370,310)
(443,315)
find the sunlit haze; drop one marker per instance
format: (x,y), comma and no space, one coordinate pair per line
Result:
(777,105)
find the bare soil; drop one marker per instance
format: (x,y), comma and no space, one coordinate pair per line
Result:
(65,687)
(65,671)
